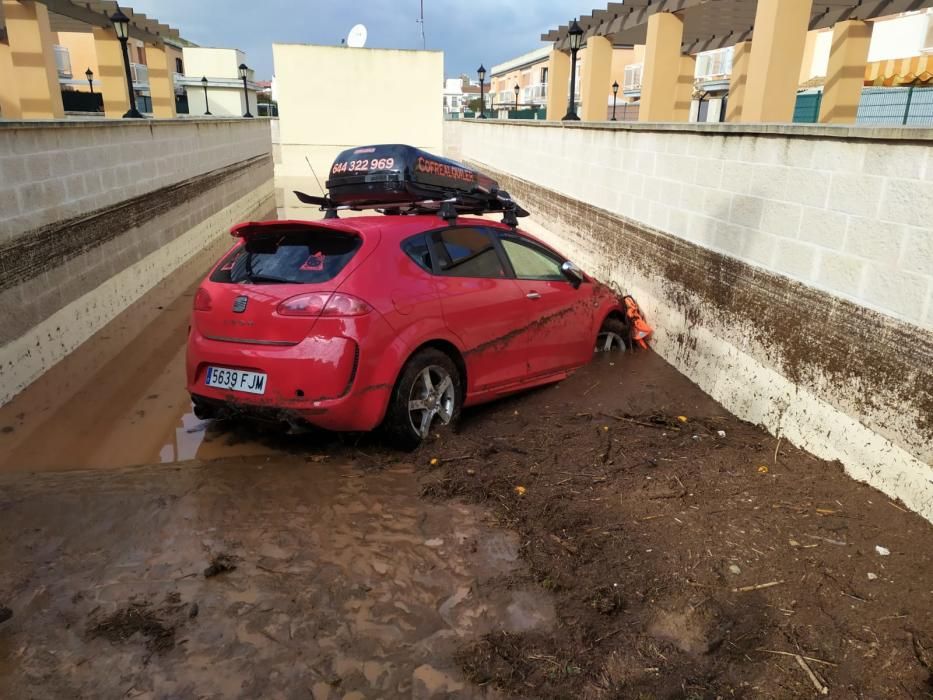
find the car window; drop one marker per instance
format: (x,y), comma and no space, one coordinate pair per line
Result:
(417,249)
(530,261)
(297,257)
(467,252)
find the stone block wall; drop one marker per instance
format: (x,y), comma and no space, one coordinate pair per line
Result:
(95,213)
(788,270)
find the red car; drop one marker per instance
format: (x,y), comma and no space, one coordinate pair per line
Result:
(394,321)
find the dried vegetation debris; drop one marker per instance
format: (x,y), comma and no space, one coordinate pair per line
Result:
(691,554)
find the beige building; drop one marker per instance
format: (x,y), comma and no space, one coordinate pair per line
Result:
(761,75)
(225,94)
(47,49)
(531,72)
(331,98)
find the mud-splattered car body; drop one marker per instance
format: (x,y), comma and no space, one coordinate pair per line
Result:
(353,299)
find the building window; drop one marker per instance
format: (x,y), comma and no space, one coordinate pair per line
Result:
(179,66)
(544,76)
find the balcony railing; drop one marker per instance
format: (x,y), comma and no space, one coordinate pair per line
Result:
(533,94)
(63,61)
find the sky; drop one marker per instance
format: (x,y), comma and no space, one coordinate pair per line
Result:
(469,32)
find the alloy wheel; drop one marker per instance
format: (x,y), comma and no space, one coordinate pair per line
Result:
(608,340)
(432,396)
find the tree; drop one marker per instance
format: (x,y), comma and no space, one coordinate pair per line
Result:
(475,104)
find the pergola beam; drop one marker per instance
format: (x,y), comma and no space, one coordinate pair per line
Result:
(97,14)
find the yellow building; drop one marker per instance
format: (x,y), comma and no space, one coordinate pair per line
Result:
(695,49)
(65,56)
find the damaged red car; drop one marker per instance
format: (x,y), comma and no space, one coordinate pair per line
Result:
(395,320)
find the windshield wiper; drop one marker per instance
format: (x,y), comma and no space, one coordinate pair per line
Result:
(269,279)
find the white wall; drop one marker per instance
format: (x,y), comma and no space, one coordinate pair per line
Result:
(844,212)
(900,37)
(332,98)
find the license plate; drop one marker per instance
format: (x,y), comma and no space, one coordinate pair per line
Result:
(236,379)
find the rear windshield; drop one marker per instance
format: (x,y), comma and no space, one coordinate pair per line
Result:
(291,257)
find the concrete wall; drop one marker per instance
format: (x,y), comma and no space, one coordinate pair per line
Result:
(332,98)
(95,213)
(788,270)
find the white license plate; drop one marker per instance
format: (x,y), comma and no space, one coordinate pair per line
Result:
(236,379)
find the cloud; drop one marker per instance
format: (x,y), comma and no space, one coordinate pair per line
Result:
(469,32)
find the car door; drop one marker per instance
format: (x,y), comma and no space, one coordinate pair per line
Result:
(562,315)
(482,305)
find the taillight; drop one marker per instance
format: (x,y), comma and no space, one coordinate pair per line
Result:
(202,300)
(323,304)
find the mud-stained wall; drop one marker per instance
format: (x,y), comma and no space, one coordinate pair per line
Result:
(100,212)
(845,378)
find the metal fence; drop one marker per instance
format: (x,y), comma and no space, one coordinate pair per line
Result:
(879,106)
(907,106)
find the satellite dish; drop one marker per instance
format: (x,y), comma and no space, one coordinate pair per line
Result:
(357,37)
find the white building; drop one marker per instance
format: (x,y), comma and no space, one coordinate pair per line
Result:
(224,86)
(453,98)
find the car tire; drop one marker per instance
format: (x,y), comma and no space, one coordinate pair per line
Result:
(422,397)
(614,335)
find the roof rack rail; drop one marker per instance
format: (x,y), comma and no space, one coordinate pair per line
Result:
(397,180)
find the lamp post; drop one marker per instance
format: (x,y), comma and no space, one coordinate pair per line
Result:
(576,41)
(615,94)
(89,74)
(121,25)
(244,71)
(516,97)
(481,72)
(207,105)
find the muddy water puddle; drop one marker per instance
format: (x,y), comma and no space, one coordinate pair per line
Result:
(345,583)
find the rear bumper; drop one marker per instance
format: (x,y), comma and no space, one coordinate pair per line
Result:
(326,381)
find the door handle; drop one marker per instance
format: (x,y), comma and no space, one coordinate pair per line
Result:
(533,295)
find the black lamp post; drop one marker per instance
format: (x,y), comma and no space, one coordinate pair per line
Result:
(89,74)
(516,97)
(207,105)
(576,41)
(615,93)
(121,25)
(481,72)
(244,71)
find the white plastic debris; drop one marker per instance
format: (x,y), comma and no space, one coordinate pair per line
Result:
(734,569)
(872,577)
(883,551)
(721,433)
(436,542)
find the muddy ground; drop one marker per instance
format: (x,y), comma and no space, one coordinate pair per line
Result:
(618,535)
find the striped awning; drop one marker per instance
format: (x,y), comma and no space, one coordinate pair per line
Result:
(900,71)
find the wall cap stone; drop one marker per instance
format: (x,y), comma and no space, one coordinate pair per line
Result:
(92,122)
(831,131)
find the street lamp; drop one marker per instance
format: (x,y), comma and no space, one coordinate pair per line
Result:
(89,74)
(615,93)
(121,25)
(575,33)
(481,72)
(516,97)
(244,71)
(207,105)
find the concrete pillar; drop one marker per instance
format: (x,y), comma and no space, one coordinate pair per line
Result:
(558,82)
(774,65)
(161,81)
(596,85)
(9,94)
(664,81)
(845,75)
(111,73)
(33,58)
(738,80)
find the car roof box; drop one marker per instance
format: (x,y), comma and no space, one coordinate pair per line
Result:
(402,179)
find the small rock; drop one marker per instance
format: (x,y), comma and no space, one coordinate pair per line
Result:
(5,613)
(721,433)
(471,472)
(193,610)
(381,567)
(436,542)
(872,577)
(793,543)
(883,551)
(734,569)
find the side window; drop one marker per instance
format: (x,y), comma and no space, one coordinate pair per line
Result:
(417,249)
(530,261)
(467,252)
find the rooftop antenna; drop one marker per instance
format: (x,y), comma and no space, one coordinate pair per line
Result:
(421,22)
(356,39)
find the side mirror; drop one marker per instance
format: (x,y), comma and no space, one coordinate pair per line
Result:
(573,273)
